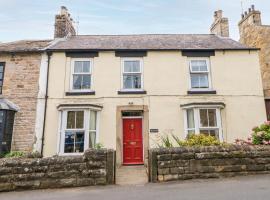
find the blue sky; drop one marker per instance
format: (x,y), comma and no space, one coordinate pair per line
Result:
(34,19)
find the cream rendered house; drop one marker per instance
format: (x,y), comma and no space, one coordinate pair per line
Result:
(125,91)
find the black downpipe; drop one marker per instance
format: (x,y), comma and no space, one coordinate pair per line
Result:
(46,100)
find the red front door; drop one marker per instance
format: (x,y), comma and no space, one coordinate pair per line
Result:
(132,141)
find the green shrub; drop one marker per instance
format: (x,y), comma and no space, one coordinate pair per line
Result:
(14,154)
(98,146)
(191,140)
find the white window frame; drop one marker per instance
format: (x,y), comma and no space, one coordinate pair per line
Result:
(197,128)
(122,73)
(73,60)
(208,72)
(86,129)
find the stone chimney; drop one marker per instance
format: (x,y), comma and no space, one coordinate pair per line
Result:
(63,26)
(251,17)
(220,25)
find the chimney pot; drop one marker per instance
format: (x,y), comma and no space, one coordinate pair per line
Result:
(249,10)
(253,7)
(246,13)
(242,15)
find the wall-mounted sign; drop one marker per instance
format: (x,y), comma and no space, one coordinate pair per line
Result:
(153,130)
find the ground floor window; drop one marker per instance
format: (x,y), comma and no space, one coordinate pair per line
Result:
(6,130)
(78,131)
(203,121)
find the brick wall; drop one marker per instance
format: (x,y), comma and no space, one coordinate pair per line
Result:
(95,167)
(21,87)
(207,162)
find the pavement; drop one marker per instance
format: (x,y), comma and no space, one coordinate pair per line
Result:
(239,188)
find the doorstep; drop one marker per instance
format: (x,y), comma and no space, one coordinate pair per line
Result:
(131,175)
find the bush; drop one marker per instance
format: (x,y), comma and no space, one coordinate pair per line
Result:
(192,140)
(259,136)
(14,154)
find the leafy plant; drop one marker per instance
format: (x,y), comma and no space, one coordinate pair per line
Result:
(14,154)
(200,140)
(260,135)
(191,140)
(98,146)
(166,142)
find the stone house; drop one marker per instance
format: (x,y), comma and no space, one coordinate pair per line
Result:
(20,64)
(127,91)
(254,34)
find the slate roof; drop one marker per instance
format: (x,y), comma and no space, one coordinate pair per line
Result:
(148,42)
(24,46)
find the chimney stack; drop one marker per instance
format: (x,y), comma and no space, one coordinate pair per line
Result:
(220,25)
(63,26)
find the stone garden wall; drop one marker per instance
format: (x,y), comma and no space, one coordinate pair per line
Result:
(207,162)
(94,167)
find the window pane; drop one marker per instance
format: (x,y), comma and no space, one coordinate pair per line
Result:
(70,119)
(86,66)
(190,118)
(212,117)
(213,133)
(1,75)
(132,81)
(199,81)
(78,66)
(190,132)
(79,142)
(1,68)
(203,80)
(93,120)
(77,82)
(79,119)
(203,118)
(92,139)
(199,65)
(195,81)
(86,81)
(132,66)
(69,142)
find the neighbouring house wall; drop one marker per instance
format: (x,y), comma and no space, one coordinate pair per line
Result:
(207,162)
(21,87)
(235,77)
(254,34)
(95,167)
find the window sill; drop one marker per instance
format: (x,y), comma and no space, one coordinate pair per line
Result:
(132,92)
(201,92)
(80,93)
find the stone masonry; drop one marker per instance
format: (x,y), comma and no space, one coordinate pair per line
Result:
(63,24)
(95,167)
(207,162)
(254,34)
(220,25)
(21,87)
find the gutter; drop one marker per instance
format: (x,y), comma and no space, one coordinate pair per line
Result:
(46,102)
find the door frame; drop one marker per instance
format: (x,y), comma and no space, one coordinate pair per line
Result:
(119,131)
(133,117)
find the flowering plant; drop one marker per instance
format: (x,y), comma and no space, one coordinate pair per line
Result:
(260,135)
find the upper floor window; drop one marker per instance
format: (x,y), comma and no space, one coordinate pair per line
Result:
(79,130)
(81,74)
(2,69)
(132,74)
(199,74)
(204,121)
